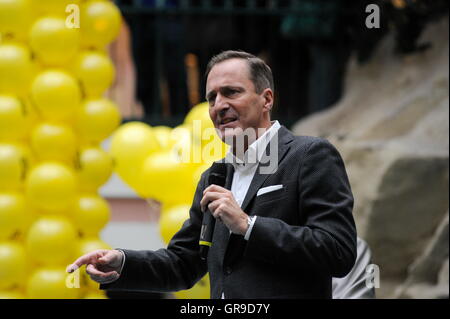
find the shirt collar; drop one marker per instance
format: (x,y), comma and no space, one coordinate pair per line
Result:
(255,151)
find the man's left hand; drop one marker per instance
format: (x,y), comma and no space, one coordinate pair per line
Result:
(224,207)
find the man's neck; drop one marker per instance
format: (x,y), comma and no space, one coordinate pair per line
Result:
(239,152)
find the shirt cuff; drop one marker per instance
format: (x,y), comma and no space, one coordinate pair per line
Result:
(250,227)
(123,260)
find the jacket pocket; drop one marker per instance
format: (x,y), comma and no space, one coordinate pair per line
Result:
(271,196)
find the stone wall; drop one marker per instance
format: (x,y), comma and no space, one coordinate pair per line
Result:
(392,129)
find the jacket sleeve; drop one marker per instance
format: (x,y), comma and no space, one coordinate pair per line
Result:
(176,268)
(326,241)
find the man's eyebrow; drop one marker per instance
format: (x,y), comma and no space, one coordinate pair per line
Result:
(223,88)
(232,87)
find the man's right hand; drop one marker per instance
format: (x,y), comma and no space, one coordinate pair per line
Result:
(103,266)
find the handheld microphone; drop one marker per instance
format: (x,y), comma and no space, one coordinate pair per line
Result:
(217,177)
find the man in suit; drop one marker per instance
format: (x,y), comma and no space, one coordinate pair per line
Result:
(282,231)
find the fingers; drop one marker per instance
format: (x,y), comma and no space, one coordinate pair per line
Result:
(207,198)
(112,259)
(211,195)
(214,208)
(219,210)
(215,188)
(83,260)
(214,200)
(100,265)
(90,258)
(100,276)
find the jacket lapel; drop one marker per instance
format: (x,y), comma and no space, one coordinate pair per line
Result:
(284,138)
(235,244)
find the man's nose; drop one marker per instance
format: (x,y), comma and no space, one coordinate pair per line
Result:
(221,104)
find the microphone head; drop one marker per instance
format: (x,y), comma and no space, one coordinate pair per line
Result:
(218,174)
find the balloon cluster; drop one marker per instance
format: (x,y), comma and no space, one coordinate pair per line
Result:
(54,71)
(166,164)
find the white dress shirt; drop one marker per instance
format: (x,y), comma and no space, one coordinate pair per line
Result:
(244,169)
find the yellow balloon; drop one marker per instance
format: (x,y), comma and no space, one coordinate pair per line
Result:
(204,133)
(95,294)
(181,134)
(198,173)
(14,162)
(213,148)
(94,168)
(191,150)
(54,142)
(100,22)
(31,217)
(32,116)
(12,264)
(198,118)
(15,69)
(97,119)
(14,118)
(53,42)
(90,244)
(51,283)
(131,144)
(182,144)
(11,294)
(95,71)
(199,112)
(13,214)
(201,290)
(162,134)
(86,246)
(53,7)
(51,240)
(166,178)
(56,95)
(171,221)
(91,213)
(51,187)
(14,18)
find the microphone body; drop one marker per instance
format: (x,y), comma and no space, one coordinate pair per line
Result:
(217,177)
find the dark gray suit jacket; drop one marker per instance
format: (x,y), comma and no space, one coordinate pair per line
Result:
(303,236)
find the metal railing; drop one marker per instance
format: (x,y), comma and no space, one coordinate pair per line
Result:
(228,7)
(182,9)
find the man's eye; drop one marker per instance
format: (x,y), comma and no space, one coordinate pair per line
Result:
(230,92)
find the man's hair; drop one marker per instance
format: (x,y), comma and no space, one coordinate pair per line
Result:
(260,72)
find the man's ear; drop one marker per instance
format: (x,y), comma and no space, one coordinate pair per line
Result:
(267,94)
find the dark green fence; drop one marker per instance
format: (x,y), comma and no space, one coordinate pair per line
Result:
(261,23)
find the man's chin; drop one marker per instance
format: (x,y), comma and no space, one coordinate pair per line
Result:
(227,135)
(237,137)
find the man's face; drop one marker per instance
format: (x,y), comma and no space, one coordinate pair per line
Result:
(233,101)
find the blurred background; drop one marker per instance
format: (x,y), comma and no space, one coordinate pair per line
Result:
(103,146)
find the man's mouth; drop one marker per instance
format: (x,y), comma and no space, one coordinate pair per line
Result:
(227,120)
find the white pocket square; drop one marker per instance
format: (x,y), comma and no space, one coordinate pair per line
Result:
(268,189)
